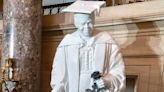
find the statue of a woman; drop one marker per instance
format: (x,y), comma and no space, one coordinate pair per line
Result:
(82,53)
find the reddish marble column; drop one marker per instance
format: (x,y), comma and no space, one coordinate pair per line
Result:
(22,42)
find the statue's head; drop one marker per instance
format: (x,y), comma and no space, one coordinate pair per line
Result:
(84,23)
(84,17)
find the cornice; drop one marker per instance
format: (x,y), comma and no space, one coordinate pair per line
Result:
(118,15)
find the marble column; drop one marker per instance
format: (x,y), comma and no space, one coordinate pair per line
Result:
(22,42)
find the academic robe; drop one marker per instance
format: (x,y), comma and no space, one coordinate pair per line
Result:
(75,60)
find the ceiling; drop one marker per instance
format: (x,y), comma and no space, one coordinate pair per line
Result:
(45,2)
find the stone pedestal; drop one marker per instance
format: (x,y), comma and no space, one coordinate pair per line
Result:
(22,42)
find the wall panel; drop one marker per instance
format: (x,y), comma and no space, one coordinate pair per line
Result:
(138,30)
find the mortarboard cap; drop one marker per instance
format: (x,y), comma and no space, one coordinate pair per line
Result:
(87,7)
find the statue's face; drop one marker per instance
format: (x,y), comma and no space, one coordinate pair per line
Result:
(84,23)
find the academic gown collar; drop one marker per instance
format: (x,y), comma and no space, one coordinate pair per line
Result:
(97,38)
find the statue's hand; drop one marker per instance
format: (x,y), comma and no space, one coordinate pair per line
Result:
(100,83)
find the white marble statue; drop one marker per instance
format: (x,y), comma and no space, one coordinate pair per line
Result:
(83,52)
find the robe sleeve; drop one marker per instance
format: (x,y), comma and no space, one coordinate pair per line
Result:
(115,79)
(59,72)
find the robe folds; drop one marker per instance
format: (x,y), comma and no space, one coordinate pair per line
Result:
(75,60)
